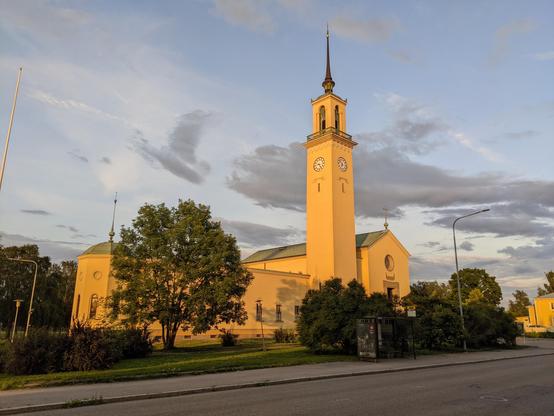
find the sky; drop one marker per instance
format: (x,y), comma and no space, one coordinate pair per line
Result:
(452,104)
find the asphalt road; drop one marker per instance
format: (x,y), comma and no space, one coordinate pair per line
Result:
(513,387)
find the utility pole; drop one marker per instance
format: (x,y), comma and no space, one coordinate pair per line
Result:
(7,143)
(17,305)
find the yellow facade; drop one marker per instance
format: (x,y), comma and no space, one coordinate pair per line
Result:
(283,275)
(541,314)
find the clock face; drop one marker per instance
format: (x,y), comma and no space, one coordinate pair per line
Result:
(342,164)
(389,263)
(319,163)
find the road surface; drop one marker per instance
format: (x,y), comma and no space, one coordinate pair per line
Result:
(512,387)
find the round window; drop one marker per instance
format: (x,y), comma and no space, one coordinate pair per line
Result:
(97,275)
(389,263)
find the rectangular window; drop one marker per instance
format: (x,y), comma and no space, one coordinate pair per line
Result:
(342,187)
(390,293)
(318,187)
(296,312)
(278,314)
(258,312)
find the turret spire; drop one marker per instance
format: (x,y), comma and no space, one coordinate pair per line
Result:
(111,234)
(328,83)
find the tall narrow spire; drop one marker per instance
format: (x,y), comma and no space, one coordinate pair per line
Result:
(328,83)
(111,234)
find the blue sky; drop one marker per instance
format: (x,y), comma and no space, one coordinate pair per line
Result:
(452,104)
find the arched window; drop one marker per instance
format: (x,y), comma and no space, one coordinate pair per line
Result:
(77,307)
(321,118)
(93,306)
(337,117)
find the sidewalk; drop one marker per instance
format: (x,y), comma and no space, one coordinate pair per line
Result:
(19,401)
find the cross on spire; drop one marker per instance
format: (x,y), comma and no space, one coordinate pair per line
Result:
(328,82)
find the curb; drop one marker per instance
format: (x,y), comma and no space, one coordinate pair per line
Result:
(176,393)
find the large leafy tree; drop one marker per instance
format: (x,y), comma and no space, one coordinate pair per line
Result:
(53,293)
(175,265)
(518,306)
(472,279)
(548,287)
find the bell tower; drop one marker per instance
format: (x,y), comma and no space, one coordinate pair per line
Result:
(330,230)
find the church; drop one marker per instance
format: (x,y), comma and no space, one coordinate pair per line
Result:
(283,275)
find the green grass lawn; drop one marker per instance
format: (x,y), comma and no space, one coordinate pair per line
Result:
(191,357)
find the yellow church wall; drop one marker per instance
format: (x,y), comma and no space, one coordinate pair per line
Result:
(379,277)
(544,310)
(93,278)
(296,264)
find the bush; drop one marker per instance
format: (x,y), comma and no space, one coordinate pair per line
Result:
(284,335)
(92,348)
(227,338)
(38,353)
(438,327)
(134,342)
(328,316)
(489,326)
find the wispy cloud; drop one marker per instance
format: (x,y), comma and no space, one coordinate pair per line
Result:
(250,14)
(503,37)
(75,154)
(544,56)
(35,212)
(364,30)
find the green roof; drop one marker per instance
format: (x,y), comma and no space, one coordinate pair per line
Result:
(100,248)
(362,240)
(547,296)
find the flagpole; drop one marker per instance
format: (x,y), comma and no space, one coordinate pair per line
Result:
(5,154)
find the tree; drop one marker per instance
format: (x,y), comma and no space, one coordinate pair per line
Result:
(471,279)
(53,293)
(177,266)
(328,316)
(548,286)
(518,307)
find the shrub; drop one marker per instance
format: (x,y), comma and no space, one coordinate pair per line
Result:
(489,326)
(227,338)
(92,348)
(134,342)
(328,316)
(438,327)
(284,335)
(40,352)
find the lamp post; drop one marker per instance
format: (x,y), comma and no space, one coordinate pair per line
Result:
(260,308)
(458,271)
(17,305)
(32,291)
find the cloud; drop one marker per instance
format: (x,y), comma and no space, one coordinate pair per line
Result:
(417,129)
(250,14)
(466,245)
(56,250)
(68,227)
(503,37)
(364,30)
(179,155)
(404,57)
(524,134)
(78,156)
(544,56)
(258,235)
(274,176)
(70,104)
(106,160)
(35,212)
(431,244)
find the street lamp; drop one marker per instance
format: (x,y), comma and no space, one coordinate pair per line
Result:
(32,292)
(458,271)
